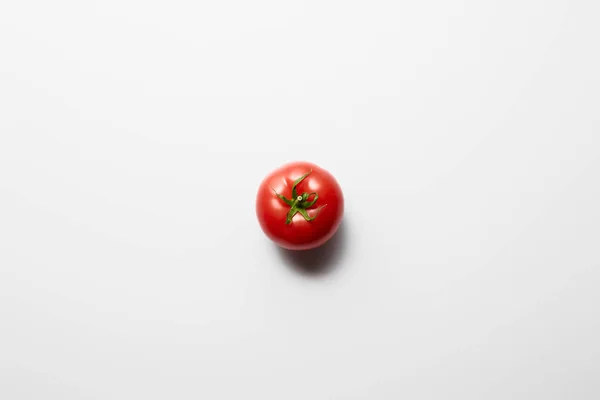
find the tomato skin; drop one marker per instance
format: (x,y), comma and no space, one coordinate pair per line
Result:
(272,211)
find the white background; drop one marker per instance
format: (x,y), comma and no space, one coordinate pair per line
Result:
(466,138)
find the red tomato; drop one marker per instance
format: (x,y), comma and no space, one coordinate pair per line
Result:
(299,206)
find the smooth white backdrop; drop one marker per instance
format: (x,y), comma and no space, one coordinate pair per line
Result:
(466,137)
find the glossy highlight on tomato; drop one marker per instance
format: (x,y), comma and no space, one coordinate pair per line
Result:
(299,206)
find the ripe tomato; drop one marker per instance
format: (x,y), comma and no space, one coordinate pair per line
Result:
(299,206)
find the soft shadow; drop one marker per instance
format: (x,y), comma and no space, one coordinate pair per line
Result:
(320,261)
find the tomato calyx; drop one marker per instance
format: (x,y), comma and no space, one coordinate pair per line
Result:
(299,203)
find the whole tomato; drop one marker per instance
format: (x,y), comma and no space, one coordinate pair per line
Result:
(299,206)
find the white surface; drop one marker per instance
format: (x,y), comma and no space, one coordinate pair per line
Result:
(133,135)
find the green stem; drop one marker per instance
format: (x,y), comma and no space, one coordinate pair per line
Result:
(300,203)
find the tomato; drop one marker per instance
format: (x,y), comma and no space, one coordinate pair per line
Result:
(299,206)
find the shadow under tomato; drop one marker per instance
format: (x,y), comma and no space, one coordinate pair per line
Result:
(320,261)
